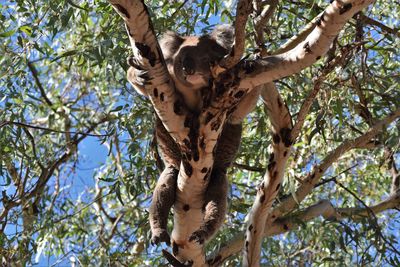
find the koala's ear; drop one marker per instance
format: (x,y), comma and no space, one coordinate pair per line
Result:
(224,35)
(170,43)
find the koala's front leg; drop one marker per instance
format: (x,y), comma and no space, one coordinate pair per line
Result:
(162,201)
(215,202)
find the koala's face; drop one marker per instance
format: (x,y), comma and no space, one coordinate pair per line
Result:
(189,58)
(193,59)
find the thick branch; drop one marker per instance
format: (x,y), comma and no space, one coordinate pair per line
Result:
(323,208)
(39,84)
(288,204)
(243,11)
(308,51)
(148,57)
(262,16)
(380,25)
(281,122)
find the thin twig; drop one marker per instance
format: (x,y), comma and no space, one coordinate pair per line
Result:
(4,123)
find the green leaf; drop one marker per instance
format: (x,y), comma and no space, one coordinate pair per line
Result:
(7,34)
(26,29)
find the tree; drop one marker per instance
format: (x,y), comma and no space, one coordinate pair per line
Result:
(63,83)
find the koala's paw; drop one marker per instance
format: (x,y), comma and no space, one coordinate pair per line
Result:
(160,235)
(138,77)
(198,236)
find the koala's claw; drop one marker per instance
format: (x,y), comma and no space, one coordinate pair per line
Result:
(160,236)
(198,236)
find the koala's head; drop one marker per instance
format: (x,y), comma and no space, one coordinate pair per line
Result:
(189,58)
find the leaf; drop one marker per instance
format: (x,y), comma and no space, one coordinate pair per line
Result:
(7,34)
(26,29)
(118,192)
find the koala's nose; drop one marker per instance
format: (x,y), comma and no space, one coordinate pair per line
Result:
(188,66)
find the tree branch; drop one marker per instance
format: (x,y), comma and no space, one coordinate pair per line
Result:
(3,123)
(287,205)
(39,84)
(305,53)
(323,208)
(243,10)
(306,105)
(281,122)
(312,179)
(148,57)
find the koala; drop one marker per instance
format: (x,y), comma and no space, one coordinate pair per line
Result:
(189,60)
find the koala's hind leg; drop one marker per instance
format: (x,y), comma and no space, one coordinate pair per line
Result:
(215,202)
(162,201)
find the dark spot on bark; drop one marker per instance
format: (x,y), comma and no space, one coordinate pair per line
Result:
(271,157)
(202,143)
(273,216)
(319,57)
(178,107)
(164,185)
(239,94)
(321,170)
(345,8)
(175,248)
(307,48)
(208,118)
(186,142)
(215,125)
(188,122)
(275,138)
(320,19)
(271,165)
(188,156)
(285,153)
(312,176)
(285,227)
(285,134)
(261,186)
(275,174)
(155,92)
(262,198)
(277,187)
(196,155)
(279,102)
(162,97)
(249,66)
(187,167)
(207,175)
(247,244)
(250,227)
(232,53)
(122,10)
(146,52)
(204,170)
(186,207)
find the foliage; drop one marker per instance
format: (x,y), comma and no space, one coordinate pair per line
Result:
(62,77)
